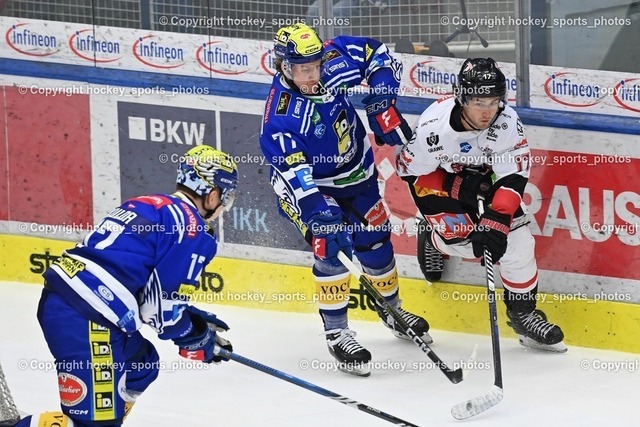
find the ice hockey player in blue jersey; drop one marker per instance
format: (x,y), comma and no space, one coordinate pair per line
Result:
(323,172)
(138,267)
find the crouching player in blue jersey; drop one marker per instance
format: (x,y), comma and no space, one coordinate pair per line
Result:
(323,172)
(137,267)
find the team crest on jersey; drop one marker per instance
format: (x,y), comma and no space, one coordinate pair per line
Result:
(341,128)
(465,147)
(433,140)
(283,104)
(331,54)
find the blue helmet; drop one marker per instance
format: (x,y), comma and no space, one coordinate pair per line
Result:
(203,169)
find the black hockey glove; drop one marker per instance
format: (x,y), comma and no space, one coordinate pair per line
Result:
(492,232)
(466,186)
(386,122)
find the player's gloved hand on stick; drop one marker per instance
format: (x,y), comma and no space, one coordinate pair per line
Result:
(199,344)
(466,186)
(493,229)
(386,122)
(330,236)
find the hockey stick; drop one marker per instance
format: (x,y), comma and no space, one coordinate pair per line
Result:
(454,376)
(312,387)
(472,407)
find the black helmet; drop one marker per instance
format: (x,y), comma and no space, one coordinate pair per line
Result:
(480,78)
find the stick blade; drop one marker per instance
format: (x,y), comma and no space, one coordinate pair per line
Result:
(477,405)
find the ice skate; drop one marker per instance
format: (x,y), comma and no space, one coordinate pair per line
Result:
(535,332)
(430,259)
(419,325)
(352,357)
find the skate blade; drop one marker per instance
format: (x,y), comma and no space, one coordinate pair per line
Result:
(552,348)
(359,370)
(425,337)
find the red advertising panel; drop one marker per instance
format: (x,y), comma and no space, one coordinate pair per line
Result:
(587,211)
(47,141)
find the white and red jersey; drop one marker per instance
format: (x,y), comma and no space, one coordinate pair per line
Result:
(502,147)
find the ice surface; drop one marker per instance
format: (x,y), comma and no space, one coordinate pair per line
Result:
(541,389)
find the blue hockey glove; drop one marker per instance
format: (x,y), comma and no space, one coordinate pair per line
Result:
(386,122)
(330,236)
(200,343)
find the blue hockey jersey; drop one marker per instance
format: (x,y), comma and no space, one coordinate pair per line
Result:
(140,265)
(317,144)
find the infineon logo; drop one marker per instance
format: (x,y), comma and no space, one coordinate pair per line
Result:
(165,130)
(22,38)
(572,90)
(268,62)
(84,45)
(150,51)
(431,81)
(219,58)
(627,94)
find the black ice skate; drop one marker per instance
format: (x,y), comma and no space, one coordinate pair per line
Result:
(535,332)
(430,259)
(419,325)
(352,357)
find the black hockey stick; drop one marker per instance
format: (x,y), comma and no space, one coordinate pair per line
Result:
(474,406)
(312,387)
(454,376)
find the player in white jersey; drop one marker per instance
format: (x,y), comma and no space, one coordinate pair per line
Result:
(469,145)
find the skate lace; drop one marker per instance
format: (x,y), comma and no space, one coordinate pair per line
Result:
(433,258)
(536,324)
(410,318)
(345,340)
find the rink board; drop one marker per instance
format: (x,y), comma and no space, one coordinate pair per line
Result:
(288,288)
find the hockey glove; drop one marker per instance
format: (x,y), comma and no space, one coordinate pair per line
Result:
(385,121)
(466,186)
(199,344)
(330,236)
(492,232)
